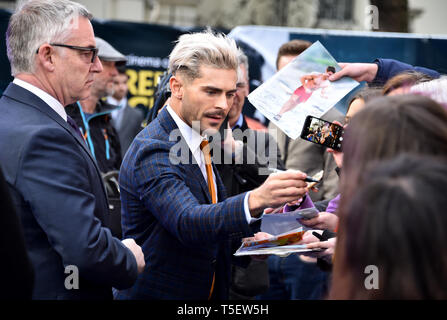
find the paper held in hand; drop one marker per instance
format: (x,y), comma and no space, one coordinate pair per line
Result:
(300,89)
(281,245)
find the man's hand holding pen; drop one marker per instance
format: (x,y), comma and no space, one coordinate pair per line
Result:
(310,185)
(278,189)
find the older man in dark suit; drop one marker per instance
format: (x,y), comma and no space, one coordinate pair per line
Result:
(173,200)
(54,180)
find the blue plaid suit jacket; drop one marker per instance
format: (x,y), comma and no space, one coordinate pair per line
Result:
(167,209)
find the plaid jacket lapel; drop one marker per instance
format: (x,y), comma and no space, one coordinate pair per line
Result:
(221,191)
(169,125)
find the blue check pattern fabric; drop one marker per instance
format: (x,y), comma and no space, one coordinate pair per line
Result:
(166,208)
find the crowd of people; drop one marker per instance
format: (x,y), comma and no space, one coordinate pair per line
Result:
(187,199)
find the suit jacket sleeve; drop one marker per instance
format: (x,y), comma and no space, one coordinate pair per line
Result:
(162,187)
(64,209)
(16,270)
(388,68)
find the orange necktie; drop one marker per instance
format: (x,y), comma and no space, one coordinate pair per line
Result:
(205,147)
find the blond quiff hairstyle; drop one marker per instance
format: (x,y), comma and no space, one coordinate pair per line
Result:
(202,49)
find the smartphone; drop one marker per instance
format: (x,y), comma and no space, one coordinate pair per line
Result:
(306,214)
(322,132)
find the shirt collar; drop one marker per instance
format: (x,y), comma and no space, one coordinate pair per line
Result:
(121,103)
(239,122)
(192,137)
(48,99)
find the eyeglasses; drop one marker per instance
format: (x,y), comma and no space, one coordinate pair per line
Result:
(94,51)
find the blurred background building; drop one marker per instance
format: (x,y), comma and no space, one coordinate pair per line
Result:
(416,16)
(146,30)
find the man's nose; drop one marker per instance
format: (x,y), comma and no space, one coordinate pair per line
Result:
(96,66)
(113,71)
(225,102)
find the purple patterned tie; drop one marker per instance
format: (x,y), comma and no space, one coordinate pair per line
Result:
(73,124)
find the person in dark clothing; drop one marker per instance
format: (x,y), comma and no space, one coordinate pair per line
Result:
(93,115)
(242,175)
(17,281)
(52,177)
(99,134)
(378,72)
(240,168)
(126,120)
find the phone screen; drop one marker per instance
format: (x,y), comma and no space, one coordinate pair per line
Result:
(322,132)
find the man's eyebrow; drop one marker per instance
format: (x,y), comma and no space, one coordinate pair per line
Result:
(211,88)
(218,89)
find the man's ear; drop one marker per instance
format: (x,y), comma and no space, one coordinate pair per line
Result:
(45,57)
(176,85)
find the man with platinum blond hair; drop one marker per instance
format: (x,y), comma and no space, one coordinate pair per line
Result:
(54,181)
(179,213)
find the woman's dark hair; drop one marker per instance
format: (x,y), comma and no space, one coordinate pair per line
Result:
(366,94)
(395,222)
(387,127)
(405,79)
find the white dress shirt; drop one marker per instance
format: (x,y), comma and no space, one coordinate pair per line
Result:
(48,99)
(193,139)
(239,122)
(117,114)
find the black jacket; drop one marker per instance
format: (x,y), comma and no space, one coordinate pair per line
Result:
(249,277)
(239,178)
(106,144)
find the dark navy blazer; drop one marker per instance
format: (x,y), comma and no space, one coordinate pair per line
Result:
(166,209)
(60,198)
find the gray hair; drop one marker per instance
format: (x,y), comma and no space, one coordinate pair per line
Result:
(242,59)
(37,22)
(203,48)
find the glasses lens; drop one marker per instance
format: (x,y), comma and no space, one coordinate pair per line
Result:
(94,54)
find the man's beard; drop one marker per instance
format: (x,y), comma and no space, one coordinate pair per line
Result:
(109,89)
(100,91)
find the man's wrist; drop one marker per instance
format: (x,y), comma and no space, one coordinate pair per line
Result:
(248,215)
(254,205)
